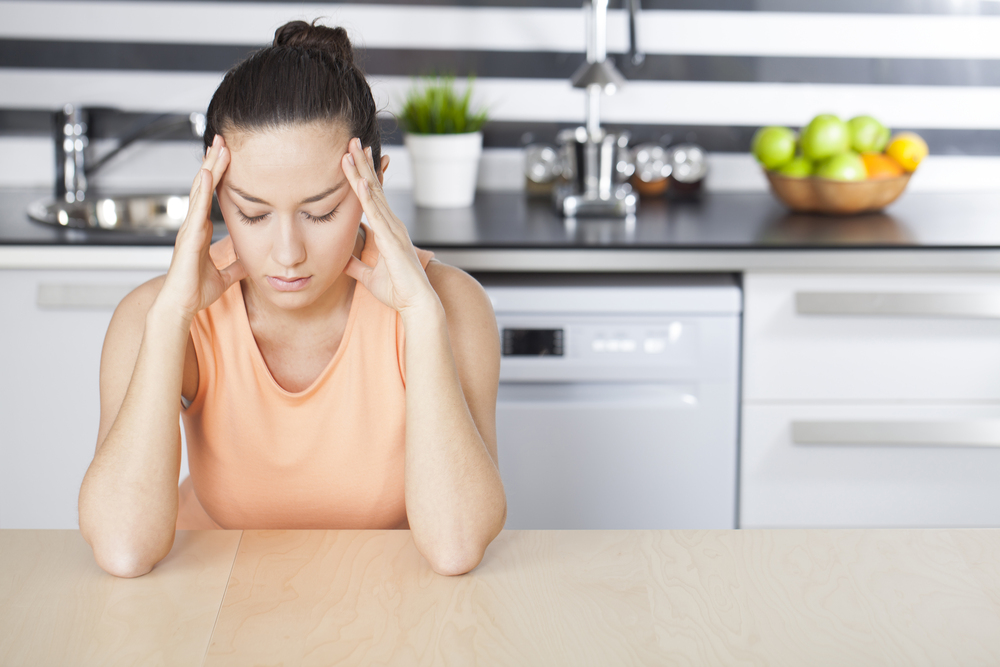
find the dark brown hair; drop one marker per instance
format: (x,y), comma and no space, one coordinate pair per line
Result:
(307,74)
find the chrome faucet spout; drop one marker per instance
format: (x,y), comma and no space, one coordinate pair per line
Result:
(72,141)
(72,127)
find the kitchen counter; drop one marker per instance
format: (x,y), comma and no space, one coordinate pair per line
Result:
(729,232)
(775,597)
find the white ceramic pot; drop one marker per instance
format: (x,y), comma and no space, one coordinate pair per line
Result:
(444,168)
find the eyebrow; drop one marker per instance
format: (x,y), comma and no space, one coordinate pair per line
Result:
(307,200)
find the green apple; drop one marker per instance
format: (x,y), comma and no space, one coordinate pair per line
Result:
(825,136)
(799,167)
(883,140)
(773,146)
(846,166)
(867,134)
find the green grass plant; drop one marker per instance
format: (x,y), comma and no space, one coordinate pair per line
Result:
(433,107)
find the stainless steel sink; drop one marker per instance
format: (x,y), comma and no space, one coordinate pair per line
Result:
(143,214)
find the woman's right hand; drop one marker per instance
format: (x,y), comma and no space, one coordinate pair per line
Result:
(193,282)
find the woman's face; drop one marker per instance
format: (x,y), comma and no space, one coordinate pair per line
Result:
(290,210)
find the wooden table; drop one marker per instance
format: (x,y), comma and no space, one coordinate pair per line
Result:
(752,597)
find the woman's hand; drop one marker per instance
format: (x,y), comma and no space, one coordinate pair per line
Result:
(193,282)
(398,280)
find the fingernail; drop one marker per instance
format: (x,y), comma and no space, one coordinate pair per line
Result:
(368,152)
(215,140)
(357,142)
(350,158)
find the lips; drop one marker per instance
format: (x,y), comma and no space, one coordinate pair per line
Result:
(288,284)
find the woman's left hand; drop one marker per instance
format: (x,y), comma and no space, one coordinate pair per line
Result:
(398,280)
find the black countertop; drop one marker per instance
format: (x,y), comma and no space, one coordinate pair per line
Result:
(718,221)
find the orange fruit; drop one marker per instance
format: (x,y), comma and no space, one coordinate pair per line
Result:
(908,149)
(880,165)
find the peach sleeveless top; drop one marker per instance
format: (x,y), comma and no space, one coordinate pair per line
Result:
(330,456)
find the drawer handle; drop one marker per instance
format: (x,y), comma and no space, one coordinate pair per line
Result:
(898,304)
(984,433)
(69,295)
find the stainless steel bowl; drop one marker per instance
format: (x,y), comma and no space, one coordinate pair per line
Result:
(144,214)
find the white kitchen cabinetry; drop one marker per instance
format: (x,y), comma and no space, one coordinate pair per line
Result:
(53,329)
(870,400)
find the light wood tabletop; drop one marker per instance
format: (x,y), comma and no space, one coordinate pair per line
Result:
(747,597)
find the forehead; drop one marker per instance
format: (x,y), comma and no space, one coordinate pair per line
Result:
(286,157)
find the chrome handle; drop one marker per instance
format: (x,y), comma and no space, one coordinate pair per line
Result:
(898,304)
(597,395)
(983,433)
(72,296)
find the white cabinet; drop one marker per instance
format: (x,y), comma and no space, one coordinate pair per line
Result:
(50,348)
(870,400)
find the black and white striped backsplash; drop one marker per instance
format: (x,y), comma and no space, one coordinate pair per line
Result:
(714,72)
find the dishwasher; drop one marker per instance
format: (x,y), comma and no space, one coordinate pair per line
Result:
(618,400)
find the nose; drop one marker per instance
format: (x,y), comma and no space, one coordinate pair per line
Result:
(288,248)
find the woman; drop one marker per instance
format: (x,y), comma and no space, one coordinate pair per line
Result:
(329,374)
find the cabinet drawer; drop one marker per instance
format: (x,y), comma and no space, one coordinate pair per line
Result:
(871,337)
(870,466)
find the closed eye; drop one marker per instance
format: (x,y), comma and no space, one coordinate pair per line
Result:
(250,220)
(324,218)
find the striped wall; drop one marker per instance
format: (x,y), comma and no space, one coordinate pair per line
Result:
(715,70)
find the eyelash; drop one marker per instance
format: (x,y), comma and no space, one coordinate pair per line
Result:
(257,218)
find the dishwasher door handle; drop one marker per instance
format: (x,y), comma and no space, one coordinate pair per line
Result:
(970,433)
(62,296)
(899,304)
(593,394)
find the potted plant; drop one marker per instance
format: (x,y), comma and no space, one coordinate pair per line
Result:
(442,135)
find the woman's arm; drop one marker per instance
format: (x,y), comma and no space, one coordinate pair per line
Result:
(455,500)
(128,499)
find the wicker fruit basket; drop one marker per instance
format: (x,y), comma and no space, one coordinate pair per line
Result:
(819,195)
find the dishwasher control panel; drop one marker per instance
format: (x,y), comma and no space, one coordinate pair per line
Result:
(532,342)
(596,340)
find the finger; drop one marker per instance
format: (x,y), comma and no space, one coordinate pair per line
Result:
(358,270)
(233,273)
(349,163)
(378,207)
(220,166)
(212,153)
(362,160)
(200,203)
(371,176)
(209,156)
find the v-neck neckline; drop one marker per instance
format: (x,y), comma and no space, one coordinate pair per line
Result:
(258,356)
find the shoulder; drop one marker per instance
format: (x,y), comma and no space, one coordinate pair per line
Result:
(131,311)
(461,295)
(472,331)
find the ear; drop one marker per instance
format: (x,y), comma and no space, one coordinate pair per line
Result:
(383,165)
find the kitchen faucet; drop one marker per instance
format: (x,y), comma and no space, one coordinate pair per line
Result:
(597,160)
(74,205)
(72,142)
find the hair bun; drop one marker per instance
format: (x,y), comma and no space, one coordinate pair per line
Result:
(332,40)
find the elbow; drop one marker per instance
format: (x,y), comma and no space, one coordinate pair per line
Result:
(121,558)
(123,563)
(454,562)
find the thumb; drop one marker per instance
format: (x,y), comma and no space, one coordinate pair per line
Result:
(358,270)
(233,273)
